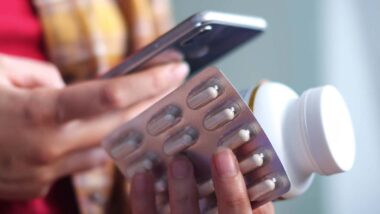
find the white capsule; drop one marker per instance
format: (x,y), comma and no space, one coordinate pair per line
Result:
(206,188)
(125,147)
(160,186)
(203,97)
(237,139)
(164,120)
(180,141)
(220,118)
(252,162)
(262,188)
(140,166)
(173,146)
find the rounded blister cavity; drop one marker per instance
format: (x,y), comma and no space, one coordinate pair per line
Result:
(240,136)
(125,144)
(252,162)
(164,120)
(221,116)
(204,94)
(180,141)
(143,164)
(255,128)
(262,188)
(237,138)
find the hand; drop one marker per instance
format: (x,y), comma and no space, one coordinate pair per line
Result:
(48,131)
(230,188)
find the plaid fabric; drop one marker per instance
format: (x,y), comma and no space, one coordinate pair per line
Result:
(85,38)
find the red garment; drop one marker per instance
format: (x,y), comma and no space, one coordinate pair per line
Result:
(21,35)
(20,30)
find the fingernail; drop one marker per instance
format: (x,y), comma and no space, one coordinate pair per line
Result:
(139,181)
(180,168)
(224,162)
(180,71)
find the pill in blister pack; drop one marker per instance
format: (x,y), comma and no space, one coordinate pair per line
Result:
(143,164)
(237,139)
(125,144)
(203,114)
(164,120)
(252,162)
(203,97)
(264,187)
(180,141)
(221,117)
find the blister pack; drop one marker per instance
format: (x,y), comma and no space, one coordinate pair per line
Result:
(204,113)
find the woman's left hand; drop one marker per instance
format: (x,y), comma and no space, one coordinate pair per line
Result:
(230,188)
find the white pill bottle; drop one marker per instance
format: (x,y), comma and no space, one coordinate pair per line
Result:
(311,133)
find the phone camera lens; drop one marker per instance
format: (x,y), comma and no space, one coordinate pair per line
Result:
(198,35)
(205,30)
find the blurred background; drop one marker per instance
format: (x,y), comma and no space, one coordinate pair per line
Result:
(311,43)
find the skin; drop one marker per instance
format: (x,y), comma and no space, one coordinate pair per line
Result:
(230,188)
(49,130)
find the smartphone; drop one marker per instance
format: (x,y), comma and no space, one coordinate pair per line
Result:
(199,40)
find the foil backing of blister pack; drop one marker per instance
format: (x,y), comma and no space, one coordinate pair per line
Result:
(202,114)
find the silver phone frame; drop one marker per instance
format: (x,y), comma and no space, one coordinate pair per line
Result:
(197,20)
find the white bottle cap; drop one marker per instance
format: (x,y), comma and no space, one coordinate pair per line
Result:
(328,130)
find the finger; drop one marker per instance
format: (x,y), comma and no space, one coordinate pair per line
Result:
(76,162)
(142,194)
(267,208)
(183,196)
(167,56)
(4,81)
(230,188)
(28,73)
(87,99)
(48,172)
(37,182)
(83,134)
(24,190)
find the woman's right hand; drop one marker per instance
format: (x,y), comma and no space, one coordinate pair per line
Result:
(48,130)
